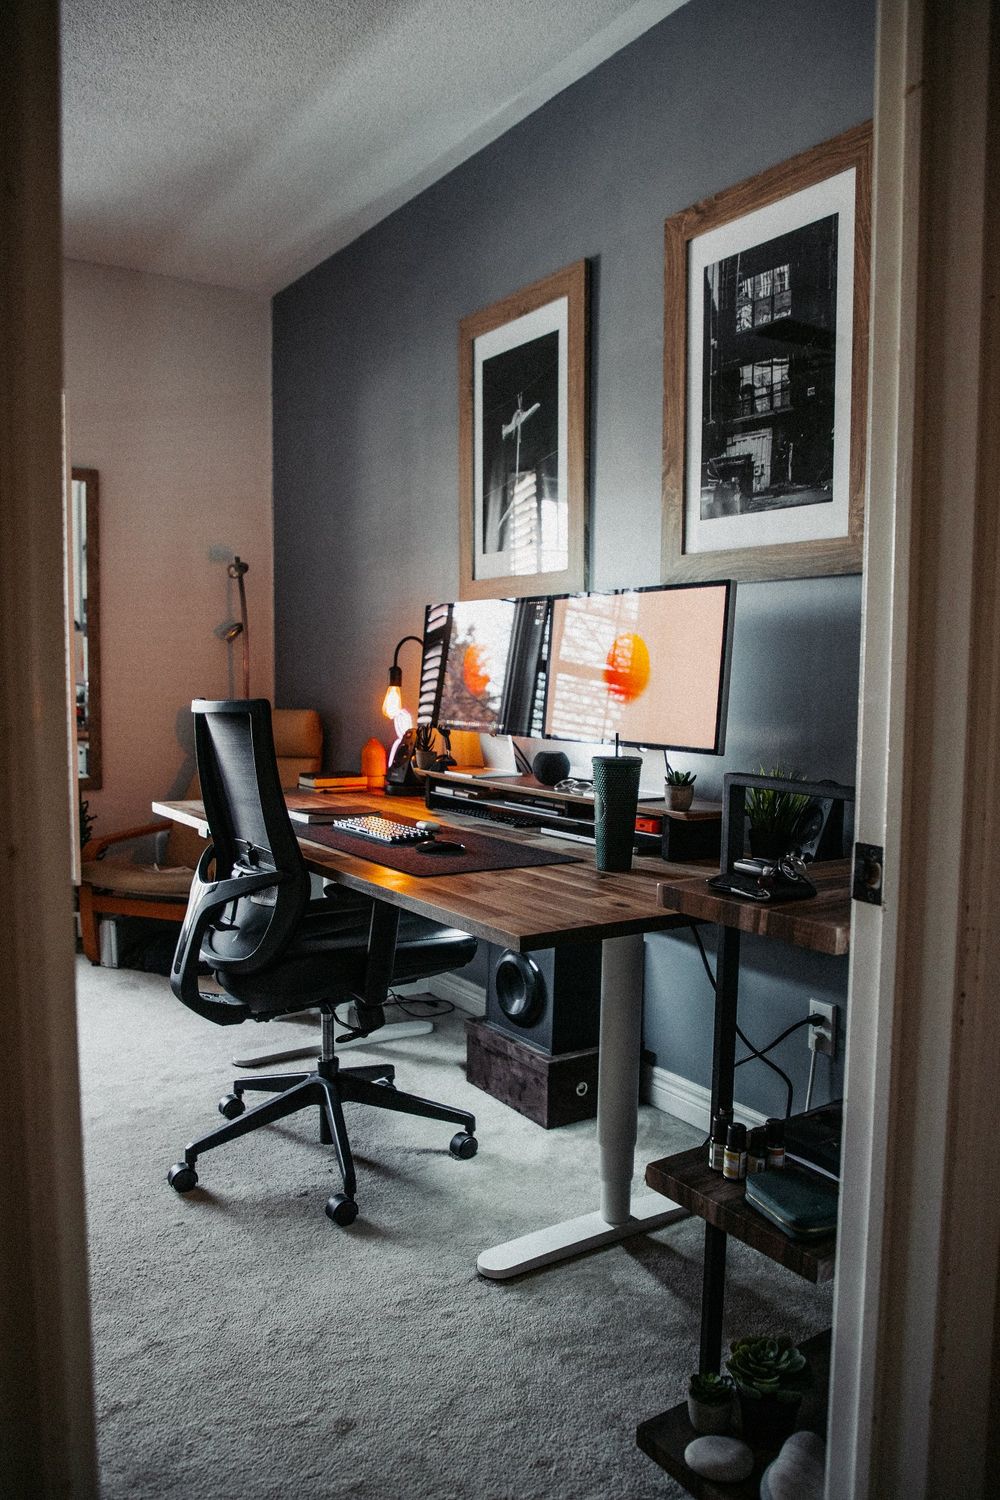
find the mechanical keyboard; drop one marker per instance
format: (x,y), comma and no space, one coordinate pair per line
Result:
(381,830)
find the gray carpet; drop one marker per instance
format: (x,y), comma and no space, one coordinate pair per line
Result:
(245,1347)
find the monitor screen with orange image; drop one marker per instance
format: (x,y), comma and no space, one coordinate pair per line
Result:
(646,666)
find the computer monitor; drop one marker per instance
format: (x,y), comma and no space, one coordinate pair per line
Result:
(482,665)
(648,666)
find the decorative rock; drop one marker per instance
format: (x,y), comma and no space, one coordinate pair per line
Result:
(723,1458)
(797,1472)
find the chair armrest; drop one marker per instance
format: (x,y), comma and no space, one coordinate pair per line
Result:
(207,896)
(97,848)
(383,928)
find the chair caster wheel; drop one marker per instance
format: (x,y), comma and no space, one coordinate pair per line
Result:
(341,1209)
(231,1105)
(463,1146)
(182,1178)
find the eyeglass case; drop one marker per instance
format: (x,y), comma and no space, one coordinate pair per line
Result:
(802,1206)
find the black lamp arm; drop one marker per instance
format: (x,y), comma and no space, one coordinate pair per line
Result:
(396,671)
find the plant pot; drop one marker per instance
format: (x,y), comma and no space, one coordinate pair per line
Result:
(765,1421)
(710,1417)
(425,760)
(679,798)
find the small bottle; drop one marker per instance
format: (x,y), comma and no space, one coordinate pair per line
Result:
(734,1164)
(373,765)
(717,1145)
(757,1149)
(775,1143)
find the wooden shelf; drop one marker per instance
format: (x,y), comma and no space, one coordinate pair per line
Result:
(689,1181)
(821,923)
(664,1438)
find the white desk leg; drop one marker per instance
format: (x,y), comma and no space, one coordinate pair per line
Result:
(617,1111)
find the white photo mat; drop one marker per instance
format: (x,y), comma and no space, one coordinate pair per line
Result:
(835,195)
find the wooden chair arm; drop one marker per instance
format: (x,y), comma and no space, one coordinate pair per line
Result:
(95,848)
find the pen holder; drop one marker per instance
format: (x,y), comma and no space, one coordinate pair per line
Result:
(616,796)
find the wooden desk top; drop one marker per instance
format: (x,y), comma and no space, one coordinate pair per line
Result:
(822,923)
(536,907)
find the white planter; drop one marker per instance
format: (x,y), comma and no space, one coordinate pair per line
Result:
(710,1418)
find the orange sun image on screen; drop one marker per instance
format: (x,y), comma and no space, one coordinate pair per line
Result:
(476,672)
(626,672)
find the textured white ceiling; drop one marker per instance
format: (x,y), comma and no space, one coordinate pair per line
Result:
(240,142)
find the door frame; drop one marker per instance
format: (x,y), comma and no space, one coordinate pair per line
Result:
(913,1350)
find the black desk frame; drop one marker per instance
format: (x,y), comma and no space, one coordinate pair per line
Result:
(727,972)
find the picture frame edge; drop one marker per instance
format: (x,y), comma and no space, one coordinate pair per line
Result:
(831,557)
(573,282)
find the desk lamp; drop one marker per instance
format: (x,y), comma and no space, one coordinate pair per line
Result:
(393,700)
(399,778)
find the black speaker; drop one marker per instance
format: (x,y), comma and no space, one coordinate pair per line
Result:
(551,998)
(550,766)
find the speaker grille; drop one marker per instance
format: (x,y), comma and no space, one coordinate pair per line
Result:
(520,989)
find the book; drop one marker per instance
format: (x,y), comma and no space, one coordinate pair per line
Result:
(315,814)
(311,781)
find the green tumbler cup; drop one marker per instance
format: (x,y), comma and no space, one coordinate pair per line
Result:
(616,794)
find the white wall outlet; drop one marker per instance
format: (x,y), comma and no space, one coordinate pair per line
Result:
(823,1038)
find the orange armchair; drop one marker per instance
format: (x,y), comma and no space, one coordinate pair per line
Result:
(117,885)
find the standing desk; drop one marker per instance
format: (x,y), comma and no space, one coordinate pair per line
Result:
(524,909)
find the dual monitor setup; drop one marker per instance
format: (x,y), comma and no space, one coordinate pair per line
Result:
(644,667)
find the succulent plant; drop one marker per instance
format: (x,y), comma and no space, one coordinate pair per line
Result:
(674,777)
(763,1367)
(713,1390)
(771,811)
(423,737)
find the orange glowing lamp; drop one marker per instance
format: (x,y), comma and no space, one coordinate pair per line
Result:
(393,700)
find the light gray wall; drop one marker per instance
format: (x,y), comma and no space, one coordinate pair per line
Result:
(365,400)
(168,390)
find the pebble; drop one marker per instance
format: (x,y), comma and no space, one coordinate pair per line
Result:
(798,1471)
(722,1458)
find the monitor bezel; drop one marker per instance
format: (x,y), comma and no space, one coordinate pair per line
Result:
(726,664)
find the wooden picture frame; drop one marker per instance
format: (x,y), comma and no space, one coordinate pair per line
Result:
(523,469)
(765,371)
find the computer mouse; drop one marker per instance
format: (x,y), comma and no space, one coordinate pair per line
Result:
(440,846)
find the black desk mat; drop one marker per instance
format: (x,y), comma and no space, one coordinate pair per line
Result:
(481,851)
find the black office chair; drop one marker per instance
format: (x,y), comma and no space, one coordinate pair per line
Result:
(273,951)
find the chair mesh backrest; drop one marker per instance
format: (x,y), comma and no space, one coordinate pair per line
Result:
(246,814)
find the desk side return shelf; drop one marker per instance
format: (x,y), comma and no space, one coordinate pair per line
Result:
(822,924)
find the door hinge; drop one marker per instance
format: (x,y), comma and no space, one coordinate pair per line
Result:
(869,861)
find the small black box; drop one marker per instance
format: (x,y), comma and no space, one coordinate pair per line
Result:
(552,1091)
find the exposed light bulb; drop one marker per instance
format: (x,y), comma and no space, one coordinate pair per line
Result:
(393,701)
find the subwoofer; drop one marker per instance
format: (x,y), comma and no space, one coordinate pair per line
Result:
(550,998)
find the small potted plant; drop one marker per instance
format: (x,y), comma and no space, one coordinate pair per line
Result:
(424,755)
(771,1376)
(678,789)
(776,818)
(710,1403)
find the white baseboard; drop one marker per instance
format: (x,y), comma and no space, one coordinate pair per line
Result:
(463,993)
(685,1100)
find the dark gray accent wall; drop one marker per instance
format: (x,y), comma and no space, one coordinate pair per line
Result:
(366,402)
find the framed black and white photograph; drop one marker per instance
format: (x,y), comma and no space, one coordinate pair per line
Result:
(522,434)
(764,374)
